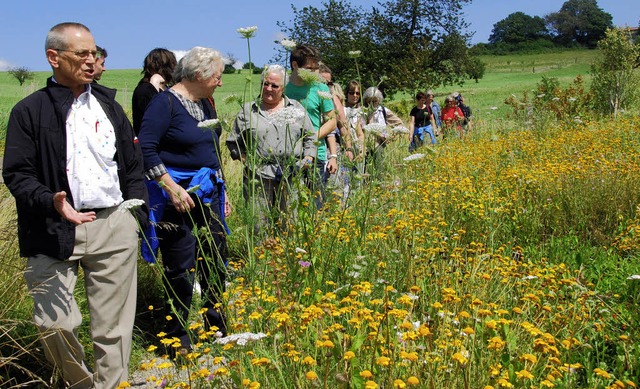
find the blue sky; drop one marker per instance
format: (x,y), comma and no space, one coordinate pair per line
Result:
(130,28)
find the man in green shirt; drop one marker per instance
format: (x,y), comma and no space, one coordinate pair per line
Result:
(315,97)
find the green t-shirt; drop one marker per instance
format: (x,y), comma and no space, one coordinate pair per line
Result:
(315,105)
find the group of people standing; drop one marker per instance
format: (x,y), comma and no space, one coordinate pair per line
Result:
(73,161)
(427,118)
(85,182)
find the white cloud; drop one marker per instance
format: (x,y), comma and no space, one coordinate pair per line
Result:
(5,65)
(179,53)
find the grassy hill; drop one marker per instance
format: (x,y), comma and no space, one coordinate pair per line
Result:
(504,75)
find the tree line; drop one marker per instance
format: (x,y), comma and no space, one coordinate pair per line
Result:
(578,23)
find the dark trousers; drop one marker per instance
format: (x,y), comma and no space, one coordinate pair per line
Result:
(185,256)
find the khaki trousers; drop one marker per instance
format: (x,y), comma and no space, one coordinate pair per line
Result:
(106,249)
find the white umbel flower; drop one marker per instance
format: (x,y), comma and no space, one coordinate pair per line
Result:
(375,128)
(248,32)
(287,115)
(413,157)
(242,338)
(288,44)
(400,130)
(129,205)
(211,123)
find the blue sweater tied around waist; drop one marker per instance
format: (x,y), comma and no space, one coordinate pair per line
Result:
(203,183)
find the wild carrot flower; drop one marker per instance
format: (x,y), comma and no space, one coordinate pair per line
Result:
(355,54)
(309,77)
(399,130)
(247,32)
(241,339)
(287,115)
(210,123)
(325,95)
(375,128)
(288,44)
(131,204)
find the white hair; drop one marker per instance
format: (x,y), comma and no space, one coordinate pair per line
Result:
(372,94)
(199,61)
(278,70)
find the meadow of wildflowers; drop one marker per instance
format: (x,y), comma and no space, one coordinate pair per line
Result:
(507,259)
(437,275)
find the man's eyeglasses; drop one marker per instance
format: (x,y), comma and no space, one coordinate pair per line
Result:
(273,86)
(83,54)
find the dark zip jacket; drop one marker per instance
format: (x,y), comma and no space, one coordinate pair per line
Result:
(35,161)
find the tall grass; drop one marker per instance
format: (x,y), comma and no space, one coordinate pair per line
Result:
(483,264)
(497,260)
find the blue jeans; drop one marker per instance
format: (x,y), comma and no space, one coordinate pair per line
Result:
(418,137)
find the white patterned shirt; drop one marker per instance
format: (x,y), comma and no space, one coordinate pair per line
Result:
(91,148)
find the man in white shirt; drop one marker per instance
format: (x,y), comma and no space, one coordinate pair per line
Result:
(71,160)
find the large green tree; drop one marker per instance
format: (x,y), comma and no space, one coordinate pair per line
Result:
(517,28)
(410,43)
(580,21)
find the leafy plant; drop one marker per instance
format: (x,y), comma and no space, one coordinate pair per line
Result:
(615,79)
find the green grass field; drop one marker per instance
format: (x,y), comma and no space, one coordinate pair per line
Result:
(504,75)
(507,258)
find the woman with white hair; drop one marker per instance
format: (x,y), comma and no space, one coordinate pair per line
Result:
(384,118)
(274,137)
(181,152)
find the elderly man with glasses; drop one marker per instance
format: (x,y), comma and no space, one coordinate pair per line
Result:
(71,161)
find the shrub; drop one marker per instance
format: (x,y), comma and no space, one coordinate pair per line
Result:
(549,102)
